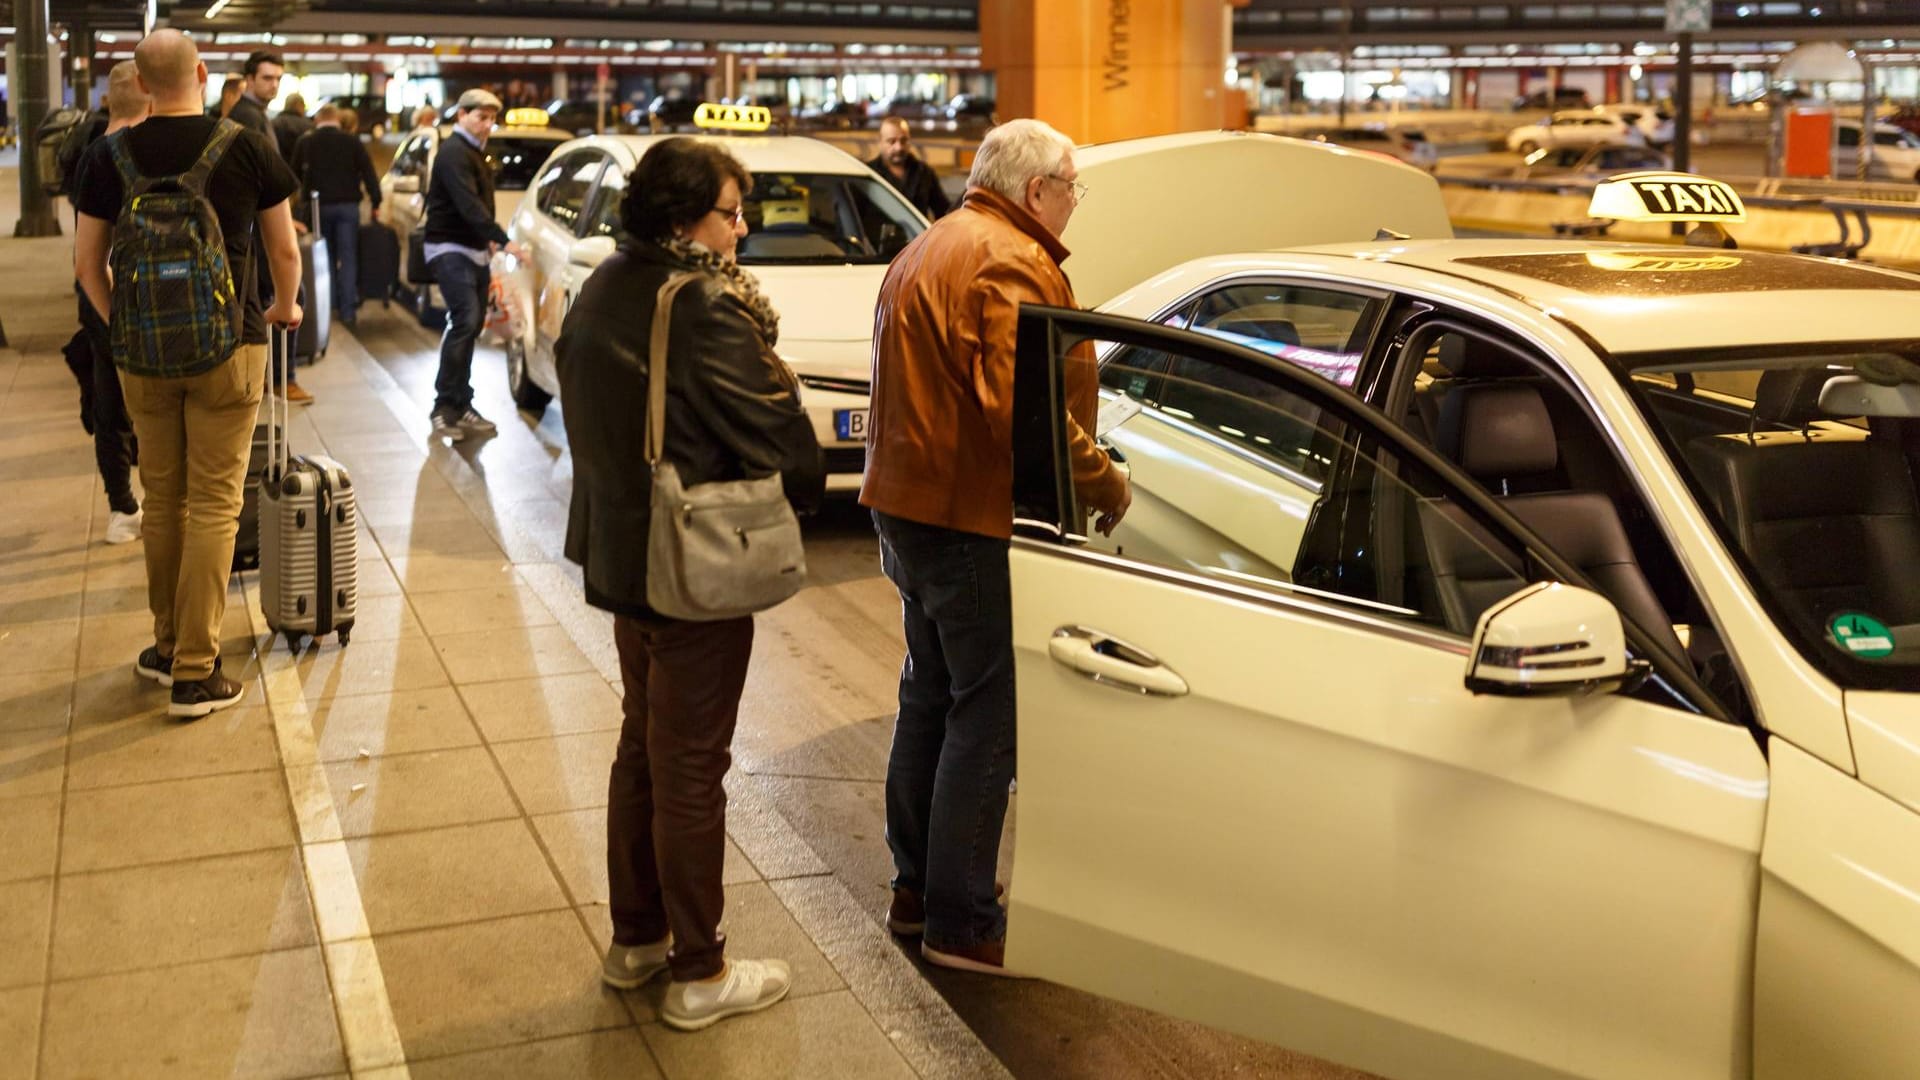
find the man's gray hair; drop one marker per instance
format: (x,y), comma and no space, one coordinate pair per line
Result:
(1016,152)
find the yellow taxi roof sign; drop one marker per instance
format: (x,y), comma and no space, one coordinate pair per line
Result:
(1666,196)
(526,118)
(718,117)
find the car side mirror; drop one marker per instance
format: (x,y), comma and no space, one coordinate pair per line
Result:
(406,185)
(591,251)
(1552,640)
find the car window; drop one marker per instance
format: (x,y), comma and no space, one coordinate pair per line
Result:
(824,218)
(605,219)
(515,159)
(1849,136)
(412,158)
(563,189)
(1322,330)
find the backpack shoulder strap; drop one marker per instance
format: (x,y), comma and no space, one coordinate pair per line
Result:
(194,180)
(123,161)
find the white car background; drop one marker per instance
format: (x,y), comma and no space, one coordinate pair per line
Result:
(1896,152)
(1577,127)
(822,227)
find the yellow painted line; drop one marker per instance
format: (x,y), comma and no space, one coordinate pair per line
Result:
(360,998)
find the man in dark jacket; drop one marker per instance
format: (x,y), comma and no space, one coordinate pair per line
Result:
(260,84)
(461,235)
(292,123)
(912,178)
(333,167)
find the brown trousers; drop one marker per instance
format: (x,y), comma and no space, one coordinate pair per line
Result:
(194,435)
(666,808)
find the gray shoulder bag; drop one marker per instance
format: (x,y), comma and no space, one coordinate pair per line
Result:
(719,550)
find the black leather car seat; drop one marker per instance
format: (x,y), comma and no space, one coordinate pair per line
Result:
(1827,515)
(1499,432)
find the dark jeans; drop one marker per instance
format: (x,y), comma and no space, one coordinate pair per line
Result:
(340,225)
(953,742)
(114,447)
(666,808)
(463,284)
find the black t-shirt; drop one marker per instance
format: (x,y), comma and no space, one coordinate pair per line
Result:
(249,179)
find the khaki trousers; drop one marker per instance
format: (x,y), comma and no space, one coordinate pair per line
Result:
(194,435)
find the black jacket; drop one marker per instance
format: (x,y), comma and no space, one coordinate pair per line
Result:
(253,118)
(732,411)
(334,165)
(460,197)
(287,129)
(921,186)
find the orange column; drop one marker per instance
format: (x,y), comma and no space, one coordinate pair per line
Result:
(1101,70)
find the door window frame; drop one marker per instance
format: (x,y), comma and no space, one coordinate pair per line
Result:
(1048,514)
(564,166)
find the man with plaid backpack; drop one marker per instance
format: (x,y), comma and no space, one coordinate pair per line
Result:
(171,207)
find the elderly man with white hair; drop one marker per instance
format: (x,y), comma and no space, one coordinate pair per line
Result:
(939,481)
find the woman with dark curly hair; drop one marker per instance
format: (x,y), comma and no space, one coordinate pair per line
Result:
(733,411)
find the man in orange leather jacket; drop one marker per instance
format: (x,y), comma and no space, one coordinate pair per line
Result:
(939,481)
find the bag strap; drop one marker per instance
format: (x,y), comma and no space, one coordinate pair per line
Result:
(657,363)
(123,161)
(194,180)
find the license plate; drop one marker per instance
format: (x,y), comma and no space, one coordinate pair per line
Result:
(850,424)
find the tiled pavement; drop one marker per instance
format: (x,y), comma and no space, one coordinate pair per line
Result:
(389,860)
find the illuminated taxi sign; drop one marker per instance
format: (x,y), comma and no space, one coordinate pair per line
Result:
(1641,262)
(1666,196)
(732,117)
(526,118)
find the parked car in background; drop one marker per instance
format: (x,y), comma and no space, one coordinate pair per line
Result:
(1579,127)
(1896,152)
(1590,163)
(906,107)
(1566,97)
(670,113)
(971,109)
(1400,144)
(835,114)
(1654,123)
(574,117)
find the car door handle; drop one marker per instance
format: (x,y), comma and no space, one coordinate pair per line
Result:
(1107,660)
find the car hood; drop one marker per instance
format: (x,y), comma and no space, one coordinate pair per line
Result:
(1155,203)
(826,316)
(1886,742)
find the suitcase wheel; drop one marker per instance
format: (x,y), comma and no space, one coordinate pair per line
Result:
(293,641)
(346,634)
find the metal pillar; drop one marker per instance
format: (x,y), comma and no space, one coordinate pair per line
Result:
(80,65)
(35,55)
(1683,114)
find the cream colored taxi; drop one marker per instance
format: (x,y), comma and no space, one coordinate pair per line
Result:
(1510,664)
(821,228)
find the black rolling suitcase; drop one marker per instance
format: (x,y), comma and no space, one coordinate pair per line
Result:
(316,300)
(246,543)
(379,262)
(309,557)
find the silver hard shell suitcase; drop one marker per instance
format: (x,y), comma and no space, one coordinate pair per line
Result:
(308,546)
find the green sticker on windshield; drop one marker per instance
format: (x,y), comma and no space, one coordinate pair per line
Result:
(1861,635)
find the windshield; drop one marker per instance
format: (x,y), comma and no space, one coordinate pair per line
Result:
(515,160)
(824,218)
(1805,459)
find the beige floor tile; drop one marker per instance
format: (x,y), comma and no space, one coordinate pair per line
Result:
(473,610)
(120,564)
(154,746)
(105,599)
(373,577)
(397,723)
(438,573)
(452,875)
(29,836)
(113,641)
(20,1032)
(32,762)
(495,984)
(364,667)
(26,912)
(827,1035)
(418,791)
(383,618)
(179,913)
(265,1016)
(35,700)
(538,708)
(177,819)
(509,654)
(53,594)
(619,1054)
(116,693)
(564,773)
(39,646)
(577,842)
(422,536)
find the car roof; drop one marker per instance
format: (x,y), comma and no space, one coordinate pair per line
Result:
(759,153)
(1636,298)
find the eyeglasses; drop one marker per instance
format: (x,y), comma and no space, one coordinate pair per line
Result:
(738,213)
(1079,189)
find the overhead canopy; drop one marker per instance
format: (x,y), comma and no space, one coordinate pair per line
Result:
(1820,61)
(1157,202)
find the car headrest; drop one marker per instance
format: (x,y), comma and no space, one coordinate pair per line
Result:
(1790,396)
(1466,357)
(1497,430)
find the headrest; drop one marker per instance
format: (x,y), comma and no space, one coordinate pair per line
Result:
(1497,430)
(1790,396)
(1466,357)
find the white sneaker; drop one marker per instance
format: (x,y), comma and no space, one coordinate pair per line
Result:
(123,528)
(627,967)
(748,986)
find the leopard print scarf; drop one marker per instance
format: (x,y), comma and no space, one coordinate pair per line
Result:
(698,256)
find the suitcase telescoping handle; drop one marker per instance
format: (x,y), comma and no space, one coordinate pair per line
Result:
(279,410)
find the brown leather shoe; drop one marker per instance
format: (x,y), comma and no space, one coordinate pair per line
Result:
(298,394)
(986,958)
(907,915)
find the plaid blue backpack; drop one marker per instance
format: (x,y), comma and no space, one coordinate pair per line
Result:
(176,311)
